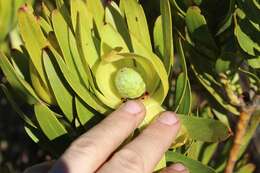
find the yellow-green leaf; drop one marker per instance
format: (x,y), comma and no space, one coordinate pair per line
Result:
(17,82)
(83,111)
(137,23)
(48,122)
(61,93)
(98,12)
(68,46)
(114,17)
(33,38)
(79,89)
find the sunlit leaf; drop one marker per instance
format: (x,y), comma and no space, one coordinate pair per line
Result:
(33,38)
(62,95)
(137,23)
(48,122)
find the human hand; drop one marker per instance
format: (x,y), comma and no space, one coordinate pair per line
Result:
(96,151)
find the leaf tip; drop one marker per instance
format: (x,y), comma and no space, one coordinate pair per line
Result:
(230,132)
(23,8)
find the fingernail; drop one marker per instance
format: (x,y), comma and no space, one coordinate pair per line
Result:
(168,118)
(178,167)
(132,107)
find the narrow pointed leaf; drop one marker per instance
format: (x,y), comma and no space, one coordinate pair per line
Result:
(208,153)
(46,27)
(158,38)
(68,46)
(185,104)
(63,97)
(83,112)
(18,84)
(181,84)
(84,36)
(16,108)
(31,134)
(111,37)
(200,34)
(79,89)
(194,150)
(97,9)
(5,17)
(137,23)
(254,62)
(48,122)
(248,168)
(167,34)
(114,17)
(182,81)
(33,38)
(20,62)
(245,42)
(62,30)
(212,91)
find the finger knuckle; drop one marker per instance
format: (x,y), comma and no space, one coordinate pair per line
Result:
(84,146)
(130,160)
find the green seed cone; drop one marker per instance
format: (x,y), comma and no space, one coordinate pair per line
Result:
(129,83)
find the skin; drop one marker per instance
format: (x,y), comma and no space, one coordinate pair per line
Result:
(97,150)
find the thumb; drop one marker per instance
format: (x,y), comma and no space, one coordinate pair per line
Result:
(175,168)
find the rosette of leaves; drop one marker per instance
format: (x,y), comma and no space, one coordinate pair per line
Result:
(82,60)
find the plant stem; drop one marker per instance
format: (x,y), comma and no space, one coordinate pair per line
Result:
(240,132)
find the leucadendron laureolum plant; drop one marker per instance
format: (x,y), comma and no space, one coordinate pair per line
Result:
(82,60)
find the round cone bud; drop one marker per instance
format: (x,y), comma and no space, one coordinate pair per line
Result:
(129,83)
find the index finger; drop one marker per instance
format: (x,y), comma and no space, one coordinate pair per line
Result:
(93,148)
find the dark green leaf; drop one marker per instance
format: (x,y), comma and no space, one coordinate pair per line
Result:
(16,107)
(200,34)
(185,104)
(168,51)
(193,165)
(205,129)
